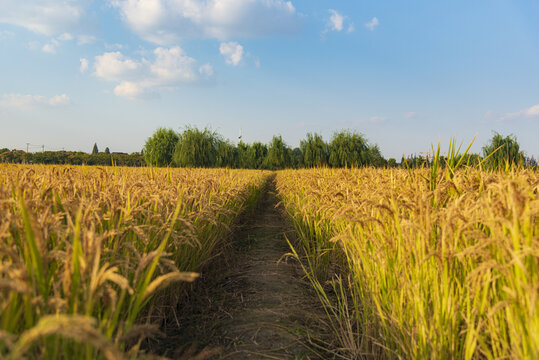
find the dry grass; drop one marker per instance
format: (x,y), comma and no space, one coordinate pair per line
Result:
(84,250)
(434,266)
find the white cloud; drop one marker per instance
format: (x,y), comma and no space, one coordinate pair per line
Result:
(54,43)
(57,19)
(169,68)
(50,47)
(531,112)
(410,115)
(336,20)
(83,65)
(26,102)
(232,51)
(172,66)
(129,89)
(372,24)
(58,100)
(48,17)
(206,70)
(65,37)
(167,21)
(113,66)
(86,39)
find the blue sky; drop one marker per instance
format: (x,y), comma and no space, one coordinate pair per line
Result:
(405,73)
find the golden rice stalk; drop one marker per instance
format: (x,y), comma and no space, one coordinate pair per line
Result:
(163,281)
(76,327)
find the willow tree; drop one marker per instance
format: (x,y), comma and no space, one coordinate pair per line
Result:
(279,155)
(197,148)
(348,149)
(159,148)
(297,158)
(502,151)
(242,153)
(251,156)
(315,151)
(226,155)
(255,155)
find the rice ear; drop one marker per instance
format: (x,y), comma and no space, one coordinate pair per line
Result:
(7,285)
(75,327)
(107,273)
(146,259)
(118,279)
(167,279)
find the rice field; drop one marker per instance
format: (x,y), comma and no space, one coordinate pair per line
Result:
(421,264)
(411,264)
(86,252)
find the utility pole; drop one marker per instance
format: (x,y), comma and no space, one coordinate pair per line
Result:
(27,145)
(42,148)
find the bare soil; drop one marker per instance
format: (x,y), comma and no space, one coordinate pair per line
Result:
(253,303)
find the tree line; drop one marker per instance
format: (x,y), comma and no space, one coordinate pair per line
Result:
(71,158)
(205,148)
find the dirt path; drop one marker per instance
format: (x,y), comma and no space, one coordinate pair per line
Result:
(256,305)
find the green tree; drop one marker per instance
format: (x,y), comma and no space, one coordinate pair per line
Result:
(315,151)
(374,156)
(227,154)
(197,148)
(279,155)
(159,148)
(256,154)
(243,155)
(297,158)
(348,149)
(107,151)
(503,151)
(95,150)
(251,156)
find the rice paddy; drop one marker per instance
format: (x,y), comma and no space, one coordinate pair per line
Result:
(409,264)
(422,266)
(86,251)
